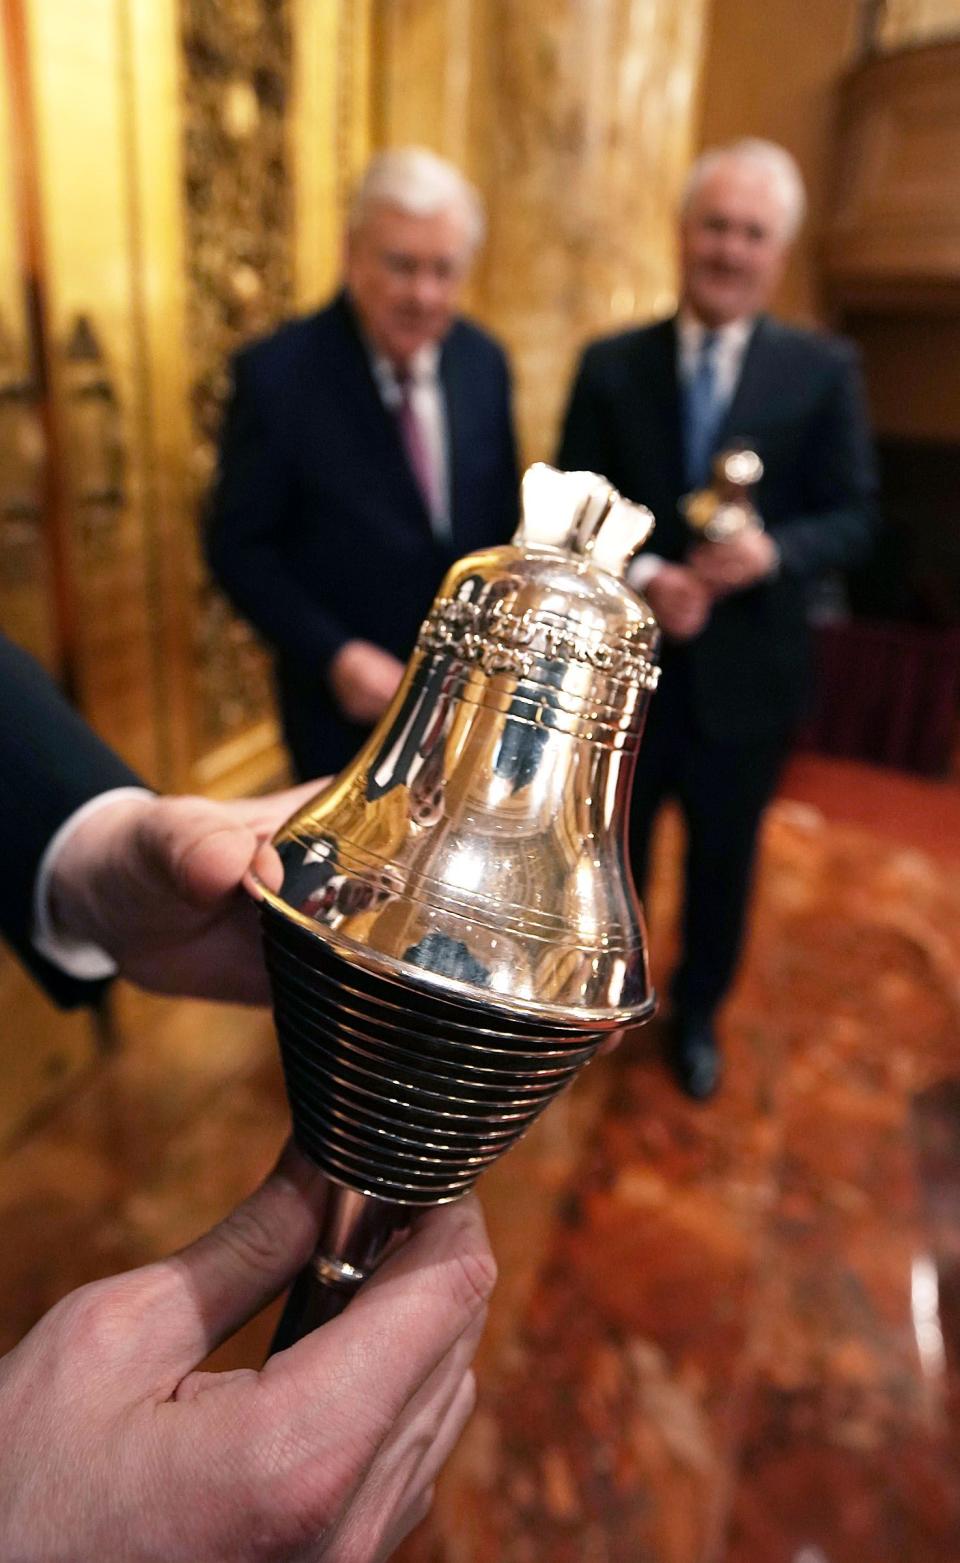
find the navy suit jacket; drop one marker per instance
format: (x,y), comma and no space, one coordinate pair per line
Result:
(798,403)
(318,531)
(50,764)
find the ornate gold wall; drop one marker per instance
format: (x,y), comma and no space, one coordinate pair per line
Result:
(239,257)
(275,104)
(172,176)
(276,108)
(576,122)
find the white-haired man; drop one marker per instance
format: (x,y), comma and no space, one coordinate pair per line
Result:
(650,408)
(365,448)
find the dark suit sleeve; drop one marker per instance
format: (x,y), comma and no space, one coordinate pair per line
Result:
(246,542)
(585,438)
(838,523)
(50,764)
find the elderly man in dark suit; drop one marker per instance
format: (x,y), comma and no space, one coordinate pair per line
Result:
(649,409)
(365,449)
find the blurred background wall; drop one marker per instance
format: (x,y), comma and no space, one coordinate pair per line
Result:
(577,122)
(173,178)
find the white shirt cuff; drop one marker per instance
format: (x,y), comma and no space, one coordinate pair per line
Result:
(640,571)
(75,957)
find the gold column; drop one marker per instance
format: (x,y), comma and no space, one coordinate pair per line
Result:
(576,122)
(426,53)
(76,55)
(331,132)
(589,147)
(432,75)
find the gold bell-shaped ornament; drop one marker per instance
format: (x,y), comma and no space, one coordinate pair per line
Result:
(457,928)
(724,509)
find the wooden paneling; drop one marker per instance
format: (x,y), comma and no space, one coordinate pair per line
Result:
(894,234)
(910,361)
(771,70)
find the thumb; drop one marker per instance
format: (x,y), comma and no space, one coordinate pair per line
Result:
(210,848)
(208,1290)
(397,1329)
(203,847)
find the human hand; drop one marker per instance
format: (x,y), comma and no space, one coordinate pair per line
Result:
(680,601)
(116,1450)
(364,680)
(734,565)
(157,883)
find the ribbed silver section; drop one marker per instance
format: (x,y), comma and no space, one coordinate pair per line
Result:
(395,1091)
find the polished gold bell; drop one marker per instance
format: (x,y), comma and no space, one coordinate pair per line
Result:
(725,508)
(457,927)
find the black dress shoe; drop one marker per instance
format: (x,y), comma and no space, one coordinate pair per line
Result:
(696,1056)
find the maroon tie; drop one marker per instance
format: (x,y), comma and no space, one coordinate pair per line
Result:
(414,443)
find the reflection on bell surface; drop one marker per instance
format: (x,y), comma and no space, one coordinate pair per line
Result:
(457,927)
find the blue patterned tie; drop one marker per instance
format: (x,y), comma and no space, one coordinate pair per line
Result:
(702,410)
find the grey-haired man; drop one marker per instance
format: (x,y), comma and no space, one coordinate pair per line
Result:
(649,409)
(366,448)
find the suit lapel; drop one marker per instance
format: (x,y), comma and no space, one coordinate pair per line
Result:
(374,425)
(354,376)
(454,405)
(657,368)
(752,389)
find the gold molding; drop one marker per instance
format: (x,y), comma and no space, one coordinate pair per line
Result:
(330,130)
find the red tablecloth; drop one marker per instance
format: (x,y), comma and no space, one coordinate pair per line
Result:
(889,693)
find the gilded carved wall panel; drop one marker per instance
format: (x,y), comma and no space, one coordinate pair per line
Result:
(80,252)
(331,128)
(237,65)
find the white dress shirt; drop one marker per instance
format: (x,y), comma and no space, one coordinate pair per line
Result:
(76,958)
(732,343)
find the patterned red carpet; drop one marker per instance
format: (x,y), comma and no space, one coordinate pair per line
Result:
(741,1341)
(722,1335)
